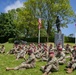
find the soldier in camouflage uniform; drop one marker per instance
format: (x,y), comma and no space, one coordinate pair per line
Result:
(52,64)
(2,50)
(44,53)
(68,49)
(39,51)
(72,63)
(21,53)
(61,56)
(50,47)
(30,62)
(14,49)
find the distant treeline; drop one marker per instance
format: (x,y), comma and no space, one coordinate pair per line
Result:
(35,39)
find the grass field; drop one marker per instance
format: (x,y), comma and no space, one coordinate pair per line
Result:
(10,61)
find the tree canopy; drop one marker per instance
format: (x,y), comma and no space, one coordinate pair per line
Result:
(24,20)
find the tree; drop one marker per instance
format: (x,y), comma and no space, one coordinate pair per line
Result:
(26,23)
(48,10)
(7,26)
(71,35)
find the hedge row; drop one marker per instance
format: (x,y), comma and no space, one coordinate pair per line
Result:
(3,39)
(42,39)
(69,39)
(35,39)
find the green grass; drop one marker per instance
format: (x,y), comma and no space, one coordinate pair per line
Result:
(9,61)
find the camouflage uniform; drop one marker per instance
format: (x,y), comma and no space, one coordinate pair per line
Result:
(14,49)
(2,50)
(52,65)
(30,63)
(68,49)
(61,56)
(39,51)
(21,54)
(44,54)
(57,48)
(50,48)
(72,63)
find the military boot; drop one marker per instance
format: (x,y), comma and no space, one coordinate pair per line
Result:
(45,73)
(70,70)
(49,73)
(66,69)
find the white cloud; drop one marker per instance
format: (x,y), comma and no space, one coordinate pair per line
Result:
(16,5)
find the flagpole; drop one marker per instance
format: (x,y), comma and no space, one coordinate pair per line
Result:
(39,27)
(39,36)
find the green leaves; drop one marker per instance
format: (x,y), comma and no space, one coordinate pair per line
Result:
(7,26)
(25,20)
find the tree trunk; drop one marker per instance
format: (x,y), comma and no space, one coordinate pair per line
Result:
(27,32)
(48,31)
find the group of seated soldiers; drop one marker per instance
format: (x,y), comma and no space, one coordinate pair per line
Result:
(54,56)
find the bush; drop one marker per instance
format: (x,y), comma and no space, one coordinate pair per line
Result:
(35,39)
(69,39)
(3,39)
(11,40)
(51,39)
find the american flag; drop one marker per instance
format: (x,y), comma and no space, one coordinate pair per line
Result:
(39,23)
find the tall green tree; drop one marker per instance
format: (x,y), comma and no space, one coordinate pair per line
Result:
(27,23)
(48,10)
(7,26)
